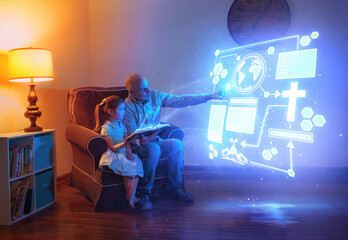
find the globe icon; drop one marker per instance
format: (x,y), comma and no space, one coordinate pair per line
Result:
(249,73)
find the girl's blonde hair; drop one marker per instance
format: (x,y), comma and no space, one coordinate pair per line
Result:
(101,110)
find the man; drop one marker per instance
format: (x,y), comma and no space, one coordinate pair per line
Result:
(143,108)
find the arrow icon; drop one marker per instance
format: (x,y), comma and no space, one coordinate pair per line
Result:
(267,94)
(290,145)
(233,54)
(277,94)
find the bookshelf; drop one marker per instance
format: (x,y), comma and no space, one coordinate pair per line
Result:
(27,174)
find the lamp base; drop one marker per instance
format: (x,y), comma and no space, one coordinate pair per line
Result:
(33,111)
(33,129)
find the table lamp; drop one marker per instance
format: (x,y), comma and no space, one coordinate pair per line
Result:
(30,65)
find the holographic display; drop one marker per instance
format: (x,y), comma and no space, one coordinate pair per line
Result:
(268,108)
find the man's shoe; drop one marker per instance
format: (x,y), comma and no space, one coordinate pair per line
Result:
(182,196)
(144,204)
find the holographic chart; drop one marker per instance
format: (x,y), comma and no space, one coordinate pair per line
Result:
(269,107)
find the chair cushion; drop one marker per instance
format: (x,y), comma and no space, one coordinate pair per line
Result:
(82,102)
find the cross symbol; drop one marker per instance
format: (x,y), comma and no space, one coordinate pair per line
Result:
(292,94)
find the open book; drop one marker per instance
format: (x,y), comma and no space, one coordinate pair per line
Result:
(148,130)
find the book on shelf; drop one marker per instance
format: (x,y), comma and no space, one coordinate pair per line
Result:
(18,198)
(148,130)
(21,160)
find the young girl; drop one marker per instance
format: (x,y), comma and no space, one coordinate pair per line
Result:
(119,155)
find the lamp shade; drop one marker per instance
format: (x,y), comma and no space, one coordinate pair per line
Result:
(30,65)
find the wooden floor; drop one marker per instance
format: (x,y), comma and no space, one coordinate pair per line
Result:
(226,207)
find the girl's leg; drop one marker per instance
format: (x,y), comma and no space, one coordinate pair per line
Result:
(127,183)
(132,190)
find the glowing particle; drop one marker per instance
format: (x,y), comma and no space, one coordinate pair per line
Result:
(211,147)
(217,52)
(266,94)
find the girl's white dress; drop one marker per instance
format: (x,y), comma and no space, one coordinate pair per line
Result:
(117,161)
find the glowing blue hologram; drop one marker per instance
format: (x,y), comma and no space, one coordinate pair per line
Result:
(305,40)
(293,94)
(270,50)
(306,125)
(211,74)
(297,64)
(216,123)
(307,112)
(216,79)
(319,120)
(233,155)
(211,147)
(266,154)
(249,73)
(241,119)
(274,151)
(224,73)
(253,71)
(218,68)
(290,135)
(314,35)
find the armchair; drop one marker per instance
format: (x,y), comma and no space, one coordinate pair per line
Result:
(102,186)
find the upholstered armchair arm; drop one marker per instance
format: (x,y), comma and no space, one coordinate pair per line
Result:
(172,132)
(85,142)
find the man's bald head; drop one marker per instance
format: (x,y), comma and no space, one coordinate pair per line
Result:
(133,81)
(138,87)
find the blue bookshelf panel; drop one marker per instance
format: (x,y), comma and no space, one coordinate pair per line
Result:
(44,183)
(44,151)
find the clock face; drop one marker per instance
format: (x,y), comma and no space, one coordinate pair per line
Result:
(252,21)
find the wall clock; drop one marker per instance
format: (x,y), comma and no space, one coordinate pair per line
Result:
(252,21)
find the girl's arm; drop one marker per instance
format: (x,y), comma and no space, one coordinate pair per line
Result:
(112,147)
